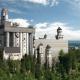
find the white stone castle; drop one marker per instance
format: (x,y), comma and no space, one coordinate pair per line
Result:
(14,41)
(51,47)
(17,41)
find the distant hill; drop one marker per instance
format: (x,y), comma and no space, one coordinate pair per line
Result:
(74,43)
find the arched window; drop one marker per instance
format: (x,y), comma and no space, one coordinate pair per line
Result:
(48,56)
(40,48)
(48,50)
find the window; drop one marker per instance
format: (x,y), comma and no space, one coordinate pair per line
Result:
(40,48)
(48,49)
(24,38)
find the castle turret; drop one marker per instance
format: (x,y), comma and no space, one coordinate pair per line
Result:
(59,34)
(45,36)
(4,15)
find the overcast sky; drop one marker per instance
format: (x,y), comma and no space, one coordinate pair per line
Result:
(46,16)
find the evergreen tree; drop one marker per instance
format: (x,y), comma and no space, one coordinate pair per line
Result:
(38,65)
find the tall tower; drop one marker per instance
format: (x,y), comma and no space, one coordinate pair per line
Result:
(59,34)
(4,15)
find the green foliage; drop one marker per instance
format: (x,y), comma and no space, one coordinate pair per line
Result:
(1,55)
(27,64)
(30,68)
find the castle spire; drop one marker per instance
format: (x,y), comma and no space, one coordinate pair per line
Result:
(59,34)
(4,15)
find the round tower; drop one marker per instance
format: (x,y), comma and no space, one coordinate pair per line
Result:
(59,34)
(4,15)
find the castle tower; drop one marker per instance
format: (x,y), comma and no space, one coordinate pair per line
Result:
(4,15)
(59,34)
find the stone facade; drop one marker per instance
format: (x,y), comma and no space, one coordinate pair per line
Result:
(15,41)
(49,48)
(55,46)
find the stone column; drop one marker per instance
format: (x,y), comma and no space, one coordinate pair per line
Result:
(7,42)
(17,39)
(20,44)
(27,43)
(31,43)
(24,43)
(13,39)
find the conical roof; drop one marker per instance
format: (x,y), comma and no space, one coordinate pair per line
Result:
(59,28)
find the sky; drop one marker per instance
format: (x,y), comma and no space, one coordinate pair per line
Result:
(46,16)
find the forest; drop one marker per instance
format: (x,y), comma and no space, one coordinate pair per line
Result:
(30,68)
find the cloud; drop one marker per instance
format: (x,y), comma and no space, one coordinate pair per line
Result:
(21,22)
(44,2)
(50,29)
(54,2)
(75,3)
(42,25)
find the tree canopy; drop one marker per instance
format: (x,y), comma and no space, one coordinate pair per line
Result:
(30,68)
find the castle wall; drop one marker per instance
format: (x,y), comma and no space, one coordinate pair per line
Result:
(55,47)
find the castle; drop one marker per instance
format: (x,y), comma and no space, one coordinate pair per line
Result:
(51,48)
(17,41)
